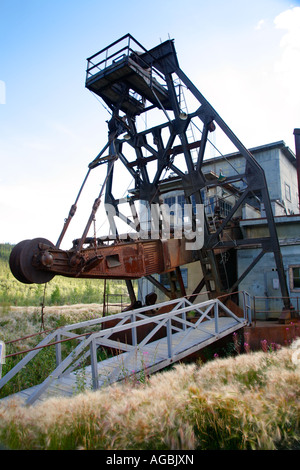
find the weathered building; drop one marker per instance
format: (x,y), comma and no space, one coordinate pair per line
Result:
(262,281)
(279,164)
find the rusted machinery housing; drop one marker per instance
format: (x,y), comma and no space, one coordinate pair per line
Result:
(133,81)
(38,260)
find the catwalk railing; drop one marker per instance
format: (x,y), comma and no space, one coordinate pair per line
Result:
(271,307)
(122,333)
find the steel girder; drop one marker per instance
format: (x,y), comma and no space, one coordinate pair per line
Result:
(132,81)
(192,181)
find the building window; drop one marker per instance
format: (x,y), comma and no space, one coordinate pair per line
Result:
(225,207)
(294,273)
(170,201)
(288,192)
(178,207)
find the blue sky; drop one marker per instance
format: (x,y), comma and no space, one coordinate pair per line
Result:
(244,56)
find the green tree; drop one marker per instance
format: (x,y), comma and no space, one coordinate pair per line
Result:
(55,296)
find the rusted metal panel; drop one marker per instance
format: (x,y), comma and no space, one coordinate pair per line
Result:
(154,262)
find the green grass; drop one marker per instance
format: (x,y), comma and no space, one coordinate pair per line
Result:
(190,407)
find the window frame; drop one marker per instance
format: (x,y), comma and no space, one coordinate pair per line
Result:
(292,278)
(287,192)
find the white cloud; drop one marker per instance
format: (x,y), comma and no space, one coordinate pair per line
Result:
(289,21)
(259,98)
(287,66)
(260,24)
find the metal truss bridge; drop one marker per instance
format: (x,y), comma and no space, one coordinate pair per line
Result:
(144,340)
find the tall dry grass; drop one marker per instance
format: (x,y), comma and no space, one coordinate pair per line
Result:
(250,401)
(19,322)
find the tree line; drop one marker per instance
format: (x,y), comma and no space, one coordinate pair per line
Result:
(59,291)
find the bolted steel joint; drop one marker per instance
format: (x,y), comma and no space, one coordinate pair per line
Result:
(46,259)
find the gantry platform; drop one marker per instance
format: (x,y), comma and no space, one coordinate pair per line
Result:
(122,76)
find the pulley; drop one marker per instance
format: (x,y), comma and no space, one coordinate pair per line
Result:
(22,262)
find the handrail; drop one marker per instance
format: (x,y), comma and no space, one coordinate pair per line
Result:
(175,321)
(272,300)
(129,36)
(128,47)
(108,318)
(107,58)
(106,49)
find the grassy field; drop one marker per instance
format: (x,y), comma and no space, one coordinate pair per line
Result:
(243,400)
(246,401)
(250,401)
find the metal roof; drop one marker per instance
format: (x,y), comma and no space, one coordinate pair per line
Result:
(288,153)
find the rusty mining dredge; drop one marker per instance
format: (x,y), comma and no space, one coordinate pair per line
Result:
(134,82)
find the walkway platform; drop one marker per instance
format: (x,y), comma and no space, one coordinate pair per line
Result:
(181,336)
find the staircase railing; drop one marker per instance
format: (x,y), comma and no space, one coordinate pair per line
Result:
(121,331)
